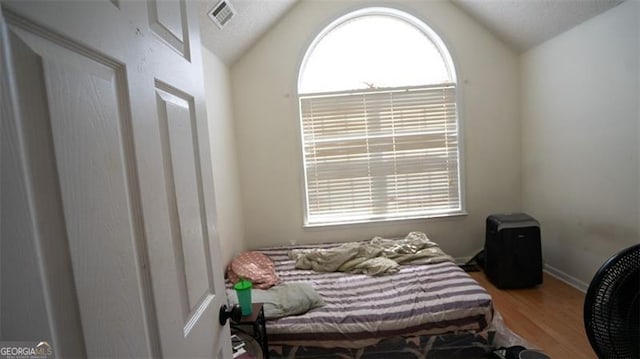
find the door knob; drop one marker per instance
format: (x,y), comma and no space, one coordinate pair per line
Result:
(235,313)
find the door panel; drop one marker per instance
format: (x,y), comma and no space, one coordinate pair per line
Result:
(168,20)
(92,145)
(124,111)
(177,124)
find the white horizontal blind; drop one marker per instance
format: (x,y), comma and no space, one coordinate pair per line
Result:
(381,154)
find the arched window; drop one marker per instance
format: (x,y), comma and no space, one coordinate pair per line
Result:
(379,125)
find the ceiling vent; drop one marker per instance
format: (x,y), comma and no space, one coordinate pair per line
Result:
(222,13)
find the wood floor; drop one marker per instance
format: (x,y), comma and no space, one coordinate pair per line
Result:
(548,316)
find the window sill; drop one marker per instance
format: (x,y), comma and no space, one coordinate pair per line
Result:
(324,225)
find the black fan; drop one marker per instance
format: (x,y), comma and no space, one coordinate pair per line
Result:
(612,307)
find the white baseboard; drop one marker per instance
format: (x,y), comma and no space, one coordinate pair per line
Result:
(570,280)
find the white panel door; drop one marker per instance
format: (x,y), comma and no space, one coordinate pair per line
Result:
(107,102)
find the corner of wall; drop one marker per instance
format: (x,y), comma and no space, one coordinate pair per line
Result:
(230,219)
(580,131)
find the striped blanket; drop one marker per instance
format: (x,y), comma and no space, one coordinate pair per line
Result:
(361,310)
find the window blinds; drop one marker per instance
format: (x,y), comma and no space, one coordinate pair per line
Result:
(380,154)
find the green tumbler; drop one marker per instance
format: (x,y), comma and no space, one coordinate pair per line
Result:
(243,291)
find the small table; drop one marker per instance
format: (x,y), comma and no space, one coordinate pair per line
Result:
(257,321)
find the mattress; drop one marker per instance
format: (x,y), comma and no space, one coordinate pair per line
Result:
(361,310)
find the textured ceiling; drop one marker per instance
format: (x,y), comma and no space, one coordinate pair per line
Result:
(523,24)
(252,19)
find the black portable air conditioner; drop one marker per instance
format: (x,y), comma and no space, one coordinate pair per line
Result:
(512,249)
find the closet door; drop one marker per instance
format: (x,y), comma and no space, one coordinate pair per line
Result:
(109,140)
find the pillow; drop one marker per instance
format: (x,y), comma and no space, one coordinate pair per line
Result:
(253,266)
(283,300)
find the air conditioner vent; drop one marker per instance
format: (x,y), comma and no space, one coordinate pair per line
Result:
(222,13)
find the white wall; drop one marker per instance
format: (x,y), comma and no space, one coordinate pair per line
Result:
(580,141)
(223,153)
(266,113)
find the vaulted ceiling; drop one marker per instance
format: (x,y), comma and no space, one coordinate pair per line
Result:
(521,24)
